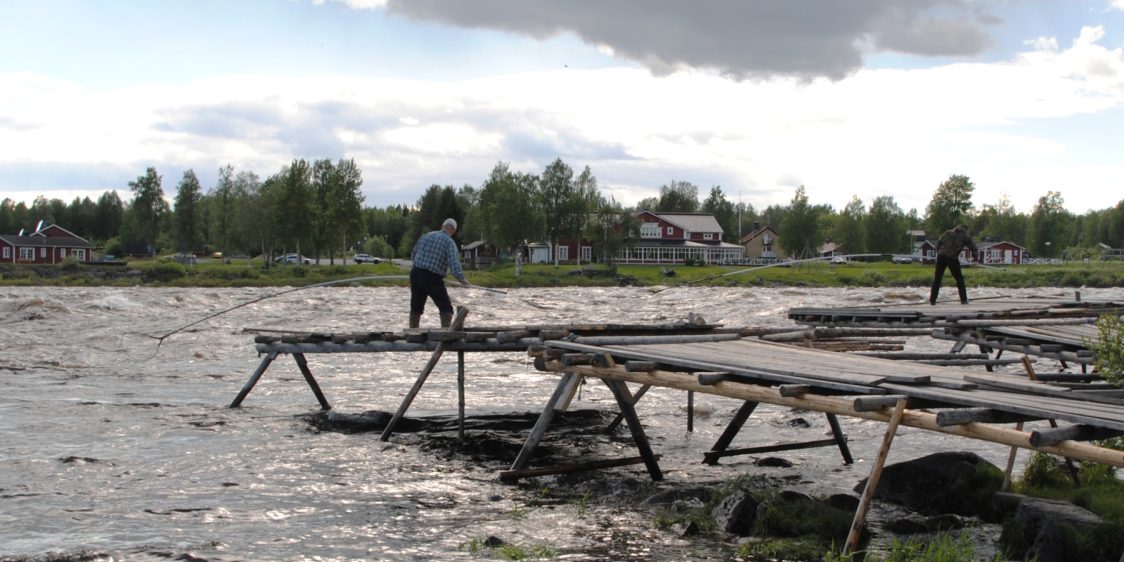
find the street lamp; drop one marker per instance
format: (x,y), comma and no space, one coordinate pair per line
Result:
(1047,249)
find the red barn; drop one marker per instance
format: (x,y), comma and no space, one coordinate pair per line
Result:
(48,244)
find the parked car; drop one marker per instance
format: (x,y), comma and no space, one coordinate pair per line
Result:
(366,258)
(839,260)
(902,259)
(292,258)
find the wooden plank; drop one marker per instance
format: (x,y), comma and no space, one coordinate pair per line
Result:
(568,468)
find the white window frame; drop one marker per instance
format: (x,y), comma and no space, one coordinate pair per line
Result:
(708,236)
(27,254)
(671,231)
(587,253)
(649,230)
(7,252)
(43,252)
(80,255)
(562,252)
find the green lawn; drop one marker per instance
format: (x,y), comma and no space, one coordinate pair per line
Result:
(808,274)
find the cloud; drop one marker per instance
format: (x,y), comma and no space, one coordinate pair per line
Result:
(880,131)
(737,38)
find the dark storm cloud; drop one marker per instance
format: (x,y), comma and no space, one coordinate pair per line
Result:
(739,38)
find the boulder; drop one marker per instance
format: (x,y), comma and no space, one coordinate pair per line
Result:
(956,482)
(736,513)
(1047,530)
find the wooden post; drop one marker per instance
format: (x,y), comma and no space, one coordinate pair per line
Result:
(872,482)
(460,396)
(732,430)
(840,439)
(543,422)
(302,364)
(624,400)
(458,321)
(1011,461)
(246,388)
(690,411)
(620,415)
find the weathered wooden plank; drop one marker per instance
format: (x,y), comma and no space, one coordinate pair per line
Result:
(980,415)
(1053,436)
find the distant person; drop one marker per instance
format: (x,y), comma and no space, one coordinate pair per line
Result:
(434,255)
(948,255)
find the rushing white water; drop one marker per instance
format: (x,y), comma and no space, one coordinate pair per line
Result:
(112,448)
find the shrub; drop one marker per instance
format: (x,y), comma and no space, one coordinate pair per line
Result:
(1109,348)
(166,270)
(70,264)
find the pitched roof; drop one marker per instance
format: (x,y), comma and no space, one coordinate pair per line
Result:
(757,233)
(990,244)
(45,241)
(694,222)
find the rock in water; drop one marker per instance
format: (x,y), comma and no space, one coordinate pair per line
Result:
(954,482)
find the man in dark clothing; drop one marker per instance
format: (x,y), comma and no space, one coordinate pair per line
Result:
(948,255)
(434,255)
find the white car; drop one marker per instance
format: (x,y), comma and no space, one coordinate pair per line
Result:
(839,260)
(366,258)
(902,259)
(292,258)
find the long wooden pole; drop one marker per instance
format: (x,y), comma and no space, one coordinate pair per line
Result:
(872,482)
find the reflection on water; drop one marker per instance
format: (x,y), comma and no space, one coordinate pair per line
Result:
(111,447)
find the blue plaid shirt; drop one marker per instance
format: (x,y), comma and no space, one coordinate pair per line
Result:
(437,252)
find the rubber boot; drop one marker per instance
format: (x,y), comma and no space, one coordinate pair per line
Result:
(446,319)
(415,320)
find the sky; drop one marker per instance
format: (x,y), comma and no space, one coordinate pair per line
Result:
(848,98)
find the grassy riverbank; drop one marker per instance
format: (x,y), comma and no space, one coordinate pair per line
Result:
(162,273)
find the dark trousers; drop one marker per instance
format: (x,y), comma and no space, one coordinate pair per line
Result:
(427,284)
(953,266)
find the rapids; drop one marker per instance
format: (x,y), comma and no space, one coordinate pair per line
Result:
(114,449)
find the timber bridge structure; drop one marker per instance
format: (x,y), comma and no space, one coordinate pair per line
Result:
(836,361)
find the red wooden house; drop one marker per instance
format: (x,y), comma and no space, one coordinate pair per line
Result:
(679,237)
(1006,253)
(48,244)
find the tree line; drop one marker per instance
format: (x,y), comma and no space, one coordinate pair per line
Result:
(317,208)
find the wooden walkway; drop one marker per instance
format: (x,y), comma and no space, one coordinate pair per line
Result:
(993,311)
(1053,328)
(740,363)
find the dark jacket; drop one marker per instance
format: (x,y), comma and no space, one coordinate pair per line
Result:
(954,240)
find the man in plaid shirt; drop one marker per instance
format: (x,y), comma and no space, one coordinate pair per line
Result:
(434,254)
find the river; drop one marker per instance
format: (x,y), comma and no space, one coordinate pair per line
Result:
(115,448)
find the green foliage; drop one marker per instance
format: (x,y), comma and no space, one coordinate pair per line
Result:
(1043,470)
(802,518)
(782,549)
(800,230)
(943,548)
(71,263)
(1109,348)
(378,246)
(166,270)
(950,205)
